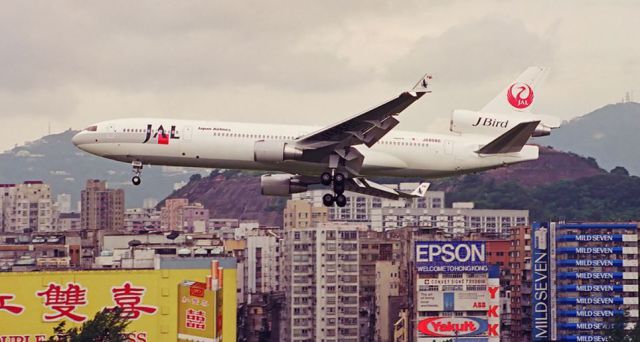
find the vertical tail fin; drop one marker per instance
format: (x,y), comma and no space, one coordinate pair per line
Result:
(518,96)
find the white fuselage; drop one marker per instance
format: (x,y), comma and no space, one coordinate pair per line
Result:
(230,145)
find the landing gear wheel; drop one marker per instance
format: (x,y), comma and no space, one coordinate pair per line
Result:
(137,171)
(338,178)
(327,200)
(326,179)
(341,200)
(338,188)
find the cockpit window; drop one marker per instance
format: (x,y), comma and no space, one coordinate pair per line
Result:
(91,128)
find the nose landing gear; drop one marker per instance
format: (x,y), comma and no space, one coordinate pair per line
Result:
(338,197)
(137,170)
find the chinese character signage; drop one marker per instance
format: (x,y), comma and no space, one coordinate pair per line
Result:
(33,303)
(64,301)
(129,299)
(197,310)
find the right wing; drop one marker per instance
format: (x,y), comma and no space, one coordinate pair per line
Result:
(366,128)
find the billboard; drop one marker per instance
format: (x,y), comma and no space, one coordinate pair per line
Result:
(196,312)
(484,326)
(452,326)
(33,303)
(541,327)
(597,238)
(493,304)
(598,288)
(451,281)
(598,275)
(450,257)
(452,301)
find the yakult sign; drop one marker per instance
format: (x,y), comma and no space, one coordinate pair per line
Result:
(450,257)
(452,326)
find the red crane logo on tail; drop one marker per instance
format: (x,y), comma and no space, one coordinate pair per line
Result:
(520,95)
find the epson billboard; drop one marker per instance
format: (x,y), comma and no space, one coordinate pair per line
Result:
(541,293)
(450,257)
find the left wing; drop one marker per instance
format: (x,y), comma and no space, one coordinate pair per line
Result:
(366,187)
(366,128)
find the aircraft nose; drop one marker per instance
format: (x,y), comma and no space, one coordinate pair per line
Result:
(76,140)
(80,138)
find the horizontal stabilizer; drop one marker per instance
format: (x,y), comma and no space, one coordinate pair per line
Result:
(511,141)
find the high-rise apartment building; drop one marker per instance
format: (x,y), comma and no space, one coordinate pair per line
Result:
(141,219)
(359,206)
(460,219)
(102,208)
(303,214)
(171,214)
(26,207)
(519,316)
(383,214)
(374,247)
(262,267)
(195,218)
(388,281)
(320,271)
(63,203)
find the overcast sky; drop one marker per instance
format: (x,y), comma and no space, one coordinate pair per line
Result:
(312,62)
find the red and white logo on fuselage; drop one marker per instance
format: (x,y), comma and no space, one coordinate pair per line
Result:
(520,95)
(160,136)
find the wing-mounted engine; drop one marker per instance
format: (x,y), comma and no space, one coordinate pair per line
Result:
(281,184)
(494,124)
(275,151)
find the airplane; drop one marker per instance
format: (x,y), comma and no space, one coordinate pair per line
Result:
(341,155)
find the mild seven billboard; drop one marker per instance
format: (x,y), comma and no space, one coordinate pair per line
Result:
(541,327)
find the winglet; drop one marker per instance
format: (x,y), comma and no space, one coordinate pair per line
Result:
(421,190)
(423,85)
(512,140)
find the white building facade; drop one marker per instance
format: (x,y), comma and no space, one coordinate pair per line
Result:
(26,207)
(320,268)
(262,267)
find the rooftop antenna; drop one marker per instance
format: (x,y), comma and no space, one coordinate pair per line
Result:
(49,128)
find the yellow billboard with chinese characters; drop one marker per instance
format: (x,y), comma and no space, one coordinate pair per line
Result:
(33,303)
(197,312)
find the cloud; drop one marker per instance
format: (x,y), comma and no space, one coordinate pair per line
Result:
(472,52)
(145,46)
(73,63)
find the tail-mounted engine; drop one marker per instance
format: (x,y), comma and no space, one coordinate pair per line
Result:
(466,121)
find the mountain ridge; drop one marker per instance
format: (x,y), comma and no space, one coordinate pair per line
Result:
(608,134)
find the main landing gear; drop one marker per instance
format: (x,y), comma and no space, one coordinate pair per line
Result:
(137,171)
(338,197)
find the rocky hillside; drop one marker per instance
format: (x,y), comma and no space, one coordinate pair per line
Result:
(232,194)
(551,167)
(229,194)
